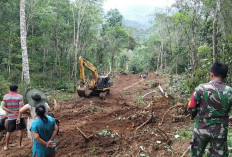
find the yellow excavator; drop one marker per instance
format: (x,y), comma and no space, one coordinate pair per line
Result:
(98,86)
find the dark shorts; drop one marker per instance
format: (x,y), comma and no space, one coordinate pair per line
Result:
(2,126)
(12,126)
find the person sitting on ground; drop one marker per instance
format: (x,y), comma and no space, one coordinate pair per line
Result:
(44,130)
(12,103)
(33,97)
(210,105)
(3,119)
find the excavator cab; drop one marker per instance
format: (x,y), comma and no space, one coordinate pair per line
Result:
(104,82)
(98,86)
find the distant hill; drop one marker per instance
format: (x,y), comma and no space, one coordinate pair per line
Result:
(138,15)
(134,24)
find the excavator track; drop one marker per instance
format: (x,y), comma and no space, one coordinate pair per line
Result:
(104,94)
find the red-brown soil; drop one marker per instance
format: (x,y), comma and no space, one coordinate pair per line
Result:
(122,112)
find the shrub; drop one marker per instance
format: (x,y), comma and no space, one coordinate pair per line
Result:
(4,86)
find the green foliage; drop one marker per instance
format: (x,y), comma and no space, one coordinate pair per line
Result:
(114,17)
(185,134)
(201,75)
(50,40)
(4,86)
(140,61)
(136,66)
(93,149)
(143,155)
(62,95)
(180,17)
(229,139)
(203,51)
(175,41)
(107,133)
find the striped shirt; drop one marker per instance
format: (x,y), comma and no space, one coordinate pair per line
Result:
(13,101)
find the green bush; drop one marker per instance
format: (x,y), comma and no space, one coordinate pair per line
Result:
(134,67)
(201,75)
(4,86)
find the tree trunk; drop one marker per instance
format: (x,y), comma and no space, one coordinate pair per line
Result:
(194,43)
(215,28)
(44,61)
(164,55)
(9,54)
(74,28)
(56,48)
(158,60)
(223,52)
(23,37)
(161,55)
(77,44)
(112,59)
(71,66)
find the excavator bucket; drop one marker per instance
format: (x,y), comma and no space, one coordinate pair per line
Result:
(81,91)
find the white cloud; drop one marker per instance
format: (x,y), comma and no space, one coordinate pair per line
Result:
(122,4)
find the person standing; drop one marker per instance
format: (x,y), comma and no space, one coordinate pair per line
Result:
(44,130)
(12,102)
(209,106)
(33,97)
(3,118)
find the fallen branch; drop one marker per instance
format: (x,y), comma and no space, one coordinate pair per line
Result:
(187,116)
(149,93)
(146,122)
(162,133)
(167,112)
(149,119)
(162,91)
(186,151)
(83,134)
(140,81)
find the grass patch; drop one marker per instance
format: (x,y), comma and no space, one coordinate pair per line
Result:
(229,140)
(61,95)
(185,134)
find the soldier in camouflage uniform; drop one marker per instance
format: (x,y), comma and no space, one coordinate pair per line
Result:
(210,105)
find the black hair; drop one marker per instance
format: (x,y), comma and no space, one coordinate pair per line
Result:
(219,70)
(40,111)
(13,87)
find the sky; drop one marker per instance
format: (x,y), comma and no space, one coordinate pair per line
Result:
(123,4)
(137,10)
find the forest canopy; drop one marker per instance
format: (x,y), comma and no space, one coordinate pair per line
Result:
(185,39)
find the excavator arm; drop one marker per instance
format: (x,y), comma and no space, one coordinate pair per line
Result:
(86,64)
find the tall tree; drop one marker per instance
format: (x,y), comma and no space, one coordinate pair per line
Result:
(215,30)
(23,37)
(81,10)
(115,33)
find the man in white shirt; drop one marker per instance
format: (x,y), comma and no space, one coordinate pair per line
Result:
(3,118)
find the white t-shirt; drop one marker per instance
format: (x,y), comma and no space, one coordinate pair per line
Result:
(2,113)
(33,116)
